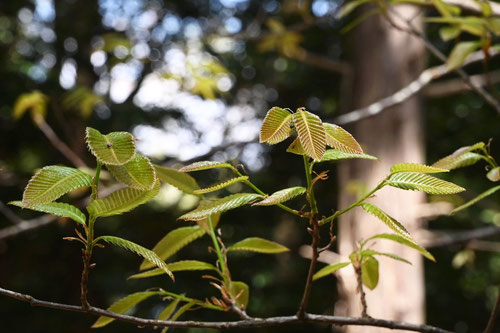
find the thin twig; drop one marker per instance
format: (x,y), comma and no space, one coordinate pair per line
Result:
(494,314)
(455,86)
(312,266)
(462,237)
(85,278)
(362,295)
(9,214)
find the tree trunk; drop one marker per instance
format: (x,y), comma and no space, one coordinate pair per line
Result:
(384,59)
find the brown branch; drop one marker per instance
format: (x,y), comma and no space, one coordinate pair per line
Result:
(494,314)
(26,226)
(362,295)
(312,266)
(9,214)
(462,237)
(86,255)
(320,61)
(249,323)
(455,86)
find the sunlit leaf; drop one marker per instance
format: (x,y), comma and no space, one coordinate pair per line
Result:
(51,182)
(256,244)
(34,101)
(205,165)
(123,305)
(330,269)
(339,138)
(494,174)
(222,185)
(421,182)
(139,250)
(276,126)
(460,52)
(389,255)
(240,289)
(459,161)
(138,173)
(281,196)
(184,265)
(56,208)
(121,201)
(388,220)
(404,241)
(180,180)
(450,32)
(311,133)
(115,148)
(476,199)
(369,272)
(412,167)
(296,148)
(220,205)
(335,155)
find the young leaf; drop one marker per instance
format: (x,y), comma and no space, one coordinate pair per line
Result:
(311,133)
(339,138)
(449,32)
(240,289)
(138,173)
(276,126)
(389,255)
(173,242)
(184,265)
(421,182)
(256,244)
(369,272)
(180,180)
(281,196)
(139,250)
(494,174)
(476,199)
(169,309)
(296,148)
(220,205)
(412,167)
(330,269)
(460,52)
(222,185)
(52,182)
(115,148)
(56,208)
(179,313)
(121,201)
(335,154)
(204,165)
(123,305)
(388,220)
(460,158)
(404,241)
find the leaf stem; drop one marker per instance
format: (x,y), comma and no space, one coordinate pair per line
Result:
(310,191)
(220,256)
(95,182)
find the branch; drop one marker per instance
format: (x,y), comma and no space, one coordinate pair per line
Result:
(320,61)
(455,86)
(9,214)
(494,314)
(26,225)
(462,237)
(248,323)
(474,6)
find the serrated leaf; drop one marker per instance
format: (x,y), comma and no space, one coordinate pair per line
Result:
(476,199)
(460,52)
(421,182)
(460,161)
(115,148)
(123,305)
(139,250)
(121,201)
(56,208)
(241,289)
(311,133)
(339,138)
(205,165)
(222,185)
(256,244)
(276,126)
(220,205)
(137,173)
(281,196)
(335,155)
(296,148)
(388,220)
(52,182)
(183,265)
(404,241)
(169,310)
(173,242)
(180,180)
(330,269)
(412,167)
(494,174)
(389,255)
(369,272)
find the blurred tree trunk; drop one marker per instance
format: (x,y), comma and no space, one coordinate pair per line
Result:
(384,60)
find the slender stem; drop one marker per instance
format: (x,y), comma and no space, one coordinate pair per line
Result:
(95,182)
(488,158)
(192,300)
(362,295)
(310,192)
(312,266)
(494,314)
(220,257)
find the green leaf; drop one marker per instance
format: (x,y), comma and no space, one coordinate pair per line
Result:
(139,250)
(404,241)
(388,220)
(335,155)
(412,167)
(169,310)
(311,133)
(123,305)
(52,182)
(222,185)
(180,180)
(389,255)
(369,272)
(220,205)
(296,148)
(421,182)
(450,32)
(121,201)
(350,6)
(183,265)
(339,138)
(241,291)
(494,174)
(256,244)
(115,148)
(205,165)
(330,269)
(276,126)
(476,199)
(460,52)
(173,242)
(34,101)
(179,313)
(281,196)
(138,173)
(462,160)
(56,208)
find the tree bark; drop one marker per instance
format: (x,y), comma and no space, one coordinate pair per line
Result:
(384,60)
